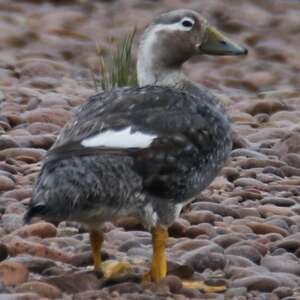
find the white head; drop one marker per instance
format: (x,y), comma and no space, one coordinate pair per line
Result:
(172,39)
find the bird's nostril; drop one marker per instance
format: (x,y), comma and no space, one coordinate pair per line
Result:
(223,43)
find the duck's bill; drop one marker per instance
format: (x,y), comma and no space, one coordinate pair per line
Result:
(215,43)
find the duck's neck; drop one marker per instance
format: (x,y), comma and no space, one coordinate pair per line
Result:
(154,66)
(150,74)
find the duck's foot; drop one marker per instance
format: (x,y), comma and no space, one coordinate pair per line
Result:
(201,285)
(114,268)
(108,268)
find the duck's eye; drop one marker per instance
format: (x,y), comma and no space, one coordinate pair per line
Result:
(187,23)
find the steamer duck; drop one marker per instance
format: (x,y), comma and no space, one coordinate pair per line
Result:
(141,151)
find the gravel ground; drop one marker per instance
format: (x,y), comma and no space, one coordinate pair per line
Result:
(242,232)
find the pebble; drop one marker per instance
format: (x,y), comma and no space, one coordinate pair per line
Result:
(246,251)
(6,183)
(250,163)
(282,263)
(7,142)
(34,264)
(41,288)
(18,153)
(178,228)
(283,292)
(270,209)
(17,245)
(292,159)
(263,228)
(278,201)
(239,261)
(201,229)
(235,292)
(289,143)
(75,282)
(251,183)
(12,273)
(40,229)
(19,296)
(208,257)
(198,217)
(54,116)
(260,283)
(229,239)
(187,244)
(12,222)
(268,106)
(215,208)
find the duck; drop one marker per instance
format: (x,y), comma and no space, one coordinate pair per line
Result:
(143,151)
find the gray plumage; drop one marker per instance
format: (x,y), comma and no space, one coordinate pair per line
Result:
(192,139)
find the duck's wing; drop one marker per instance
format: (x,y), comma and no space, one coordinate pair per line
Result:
(160,128)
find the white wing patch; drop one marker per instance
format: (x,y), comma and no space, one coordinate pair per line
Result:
(123,139)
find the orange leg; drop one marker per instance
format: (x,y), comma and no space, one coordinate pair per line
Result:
(158,269)
(109,268)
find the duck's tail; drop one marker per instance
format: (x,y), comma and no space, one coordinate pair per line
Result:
(32,212)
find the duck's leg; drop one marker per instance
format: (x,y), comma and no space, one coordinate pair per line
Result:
(159,263)
(96,240)
(109,268)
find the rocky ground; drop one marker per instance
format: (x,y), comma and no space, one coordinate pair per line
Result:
(244,230)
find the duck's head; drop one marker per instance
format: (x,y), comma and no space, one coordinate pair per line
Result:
(173,38)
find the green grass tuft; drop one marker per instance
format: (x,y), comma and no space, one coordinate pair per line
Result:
(122,69)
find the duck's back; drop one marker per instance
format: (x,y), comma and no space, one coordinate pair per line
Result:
(177,141)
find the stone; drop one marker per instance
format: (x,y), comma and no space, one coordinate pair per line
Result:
(54,116)
(40,229)
(34,154)
(198,217)
(208,257)
(283,292)
(7,142)
(270,210)
(227,240)
(251,183)
(174,283)
(215,208)
(17,245)
(6,183)
(263,228)
(41,288)
(178,228)
(281,263)
(12,222)
(262,283)
(75,282)
(186,245)
(34,264)
(268,106)
(289,143)
(247,251)
(278,201)
(200,229)
(13,273)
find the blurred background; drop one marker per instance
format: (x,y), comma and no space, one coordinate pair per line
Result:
(57,40)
